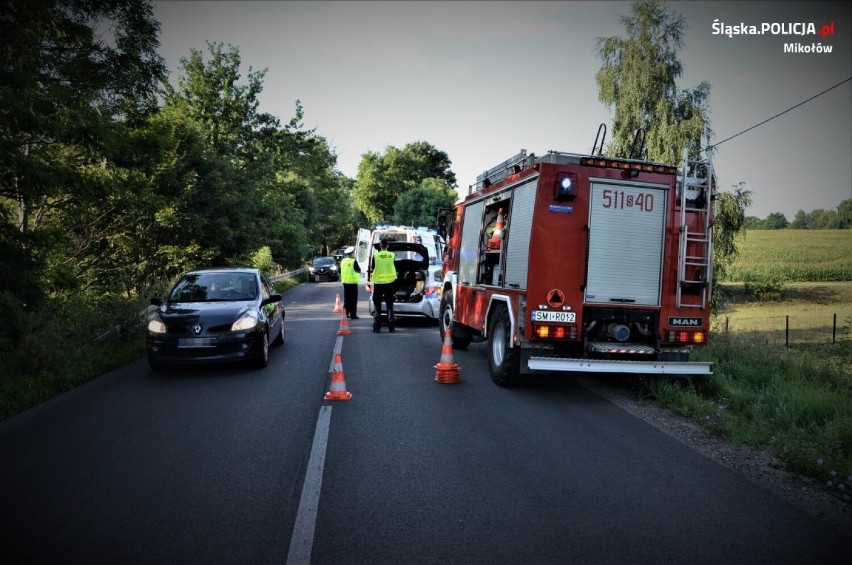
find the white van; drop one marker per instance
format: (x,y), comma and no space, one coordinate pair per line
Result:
(418,291)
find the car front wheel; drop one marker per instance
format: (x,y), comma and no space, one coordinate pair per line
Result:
(262,359)
(279,339)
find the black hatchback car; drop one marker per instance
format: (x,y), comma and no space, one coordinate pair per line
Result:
(216,315)
(323,269)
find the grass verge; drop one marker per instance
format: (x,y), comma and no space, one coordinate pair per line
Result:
(797,402)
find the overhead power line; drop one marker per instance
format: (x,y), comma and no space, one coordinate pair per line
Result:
(715,145)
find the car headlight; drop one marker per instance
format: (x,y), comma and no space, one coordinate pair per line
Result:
(334,267)
(156,326)
(245,322)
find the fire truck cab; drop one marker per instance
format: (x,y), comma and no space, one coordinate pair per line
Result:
(582,263)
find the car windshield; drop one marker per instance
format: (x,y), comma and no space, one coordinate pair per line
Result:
(324,261)
(215,287)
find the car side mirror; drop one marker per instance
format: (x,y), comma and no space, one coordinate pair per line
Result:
(156,301)
(271,299)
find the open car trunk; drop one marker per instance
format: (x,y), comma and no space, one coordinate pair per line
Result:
(410,281)
(411,259)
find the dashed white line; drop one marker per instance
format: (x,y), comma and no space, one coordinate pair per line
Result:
(302,542)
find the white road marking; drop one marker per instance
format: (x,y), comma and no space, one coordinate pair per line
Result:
(302,541)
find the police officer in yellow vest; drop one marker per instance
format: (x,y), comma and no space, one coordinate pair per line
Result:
(349,270)
(383,273)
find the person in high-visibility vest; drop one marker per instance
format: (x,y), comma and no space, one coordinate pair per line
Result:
(350,278)
(383,276)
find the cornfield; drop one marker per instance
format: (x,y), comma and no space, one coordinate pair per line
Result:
(793,256)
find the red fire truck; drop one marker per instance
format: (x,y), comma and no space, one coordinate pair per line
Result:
(583,263)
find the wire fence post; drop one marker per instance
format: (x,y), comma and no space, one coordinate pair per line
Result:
(834,329)
(787,331)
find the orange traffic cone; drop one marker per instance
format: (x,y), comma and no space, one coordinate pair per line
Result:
(497,235)
(344,327)
(447,370)
(338,307)
(337,390)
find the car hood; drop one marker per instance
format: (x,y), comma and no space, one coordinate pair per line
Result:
(410,258)
(211,312)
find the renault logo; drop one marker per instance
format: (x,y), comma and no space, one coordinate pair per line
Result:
(196,329)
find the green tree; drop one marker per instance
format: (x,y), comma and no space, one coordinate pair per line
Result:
(226,203)
(801,221)
(267,184)
(844,214)
(637,79)
(825,219)
(383,178)
(817,220)
(754,223)
(69,93)
(776,221)
(419,206)
(730,221)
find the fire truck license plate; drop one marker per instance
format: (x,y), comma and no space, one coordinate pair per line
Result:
(548,316)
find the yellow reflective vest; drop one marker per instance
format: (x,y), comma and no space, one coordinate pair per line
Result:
(384,270)
(348,275)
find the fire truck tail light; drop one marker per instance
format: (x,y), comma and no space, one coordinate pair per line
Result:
(687,337)
(556,332)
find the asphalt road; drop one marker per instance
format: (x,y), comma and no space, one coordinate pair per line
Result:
(233,465)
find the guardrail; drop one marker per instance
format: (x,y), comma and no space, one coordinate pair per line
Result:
(287,275)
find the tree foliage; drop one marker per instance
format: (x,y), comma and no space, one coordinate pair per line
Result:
(730,221)
(638,79)
(819,219)
(68,98)
(776,221)
(102,190)
(419,206)
(384,178)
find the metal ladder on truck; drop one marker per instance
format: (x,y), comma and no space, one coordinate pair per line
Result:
(505,169)
(695,250)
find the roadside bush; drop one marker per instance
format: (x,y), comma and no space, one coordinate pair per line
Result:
(262,259)
(768,289)
(45,353)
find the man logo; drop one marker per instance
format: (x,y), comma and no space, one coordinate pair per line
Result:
(688,322)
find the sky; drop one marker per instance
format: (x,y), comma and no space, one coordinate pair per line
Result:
(481,80)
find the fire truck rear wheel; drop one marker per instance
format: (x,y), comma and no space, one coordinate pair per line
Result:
(446,320)
(504,361)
